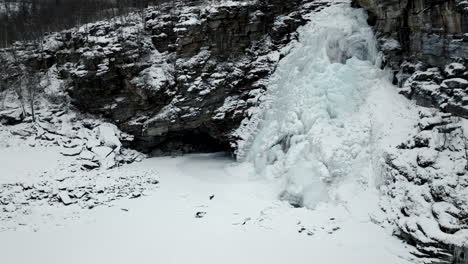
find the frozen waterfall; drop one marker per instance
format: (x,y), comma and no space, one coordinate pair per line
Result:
(329,111)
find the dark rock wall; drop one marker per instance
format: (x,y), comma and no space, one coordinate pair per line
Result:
(192,72)
(429,30)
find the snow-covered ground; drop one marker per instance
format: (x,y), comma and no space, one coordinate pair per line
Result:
(26,162)
(243,222)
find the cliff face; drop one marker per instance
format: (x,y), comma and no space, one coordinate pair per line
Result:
(425,42)
(180,78)
(433,31)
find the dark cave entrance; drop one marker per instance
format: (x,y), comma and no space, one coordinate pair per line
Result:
(179,143)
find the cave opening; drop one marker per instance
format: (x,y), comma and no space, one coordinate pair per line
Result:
(181,142)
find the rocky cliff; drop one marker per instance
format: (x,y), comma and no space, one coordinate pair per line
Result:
(433,31)
(426,44)
(179,77)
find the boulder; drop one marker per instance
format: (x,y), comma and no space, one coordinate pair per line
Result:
(107,134)
(455,83)
(11,116)
(426,157)
(64,197)
(102,152)
(89,165)
(72,151)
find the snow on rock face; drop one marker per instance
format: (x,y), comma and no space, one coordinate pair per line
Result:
(427,184)
(454,69)
(189,58)
(432,87)
(454,83)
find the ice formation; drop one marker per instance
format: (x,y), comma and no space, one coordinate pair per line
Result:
(329,112)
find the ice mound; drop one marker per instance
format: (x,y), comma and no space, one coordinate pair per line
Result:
(323,116)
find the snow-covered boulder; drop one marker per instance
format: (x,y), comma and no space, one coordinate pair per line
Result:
(11,116)
(427,157)
(454,69)
(108,135)
(454,83)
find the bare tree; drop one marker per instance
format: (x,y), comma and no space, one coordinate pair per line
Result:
(3,93)
(30,84)
(19,91)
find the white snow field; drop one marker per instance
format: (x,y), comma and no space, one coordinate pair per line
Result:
(244,223)
(38,159)
(328,116)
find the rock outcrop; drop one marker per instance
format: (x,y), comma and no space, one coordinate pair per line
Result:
(179,78)
(431,31)
(445,89)
(426,187)
(426,44)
